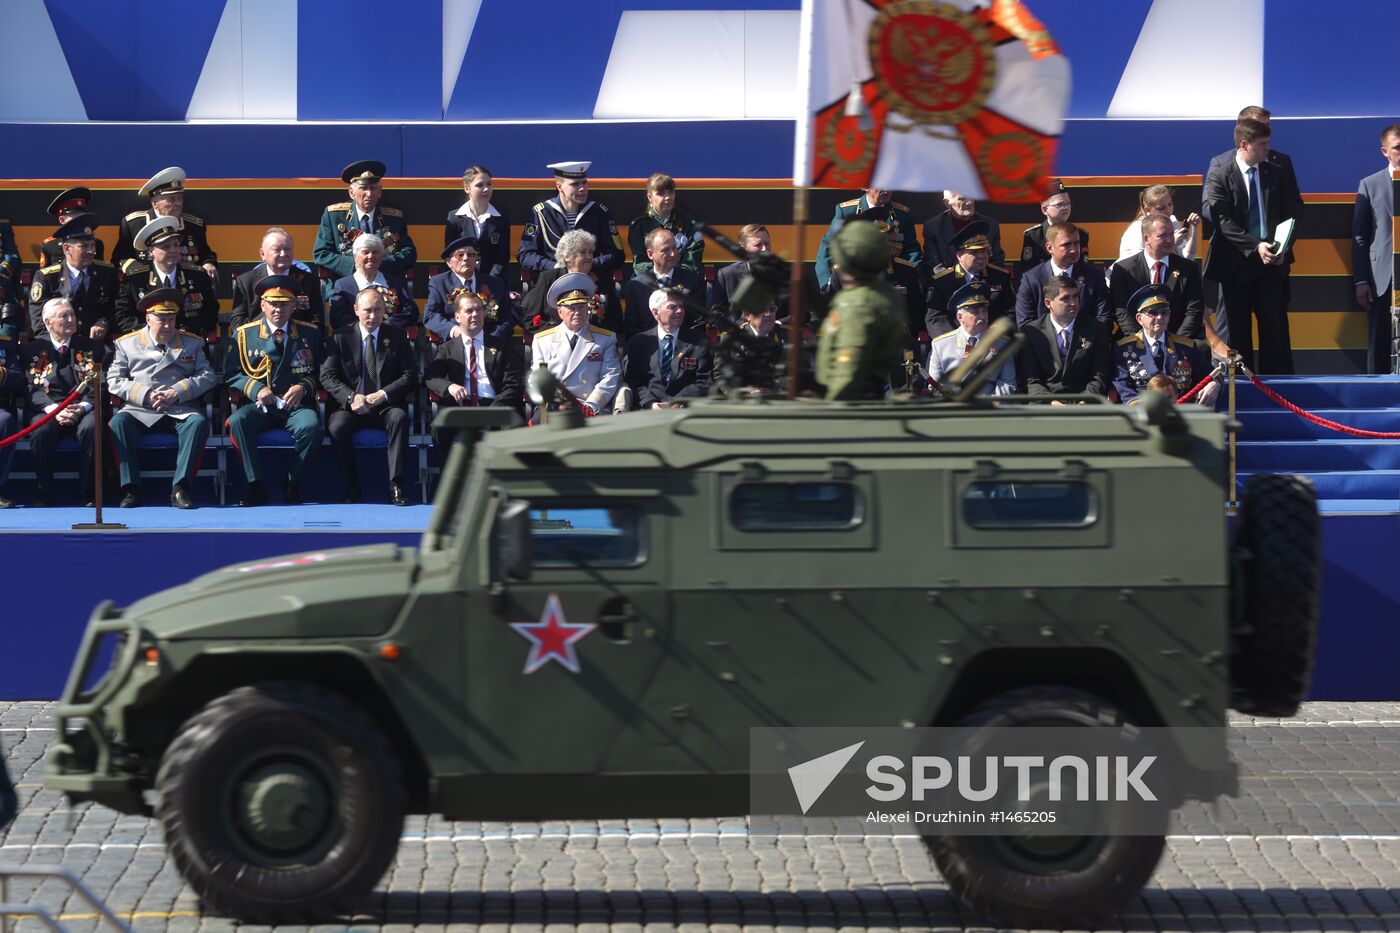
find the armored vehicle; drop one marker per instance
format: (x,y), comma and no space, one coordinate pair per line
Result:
(600,611)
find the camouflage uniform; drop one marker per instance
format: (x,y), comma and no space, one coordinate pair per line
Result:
(862,337)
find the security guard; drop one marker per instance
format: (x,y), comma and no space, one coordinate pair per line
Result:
(343,221)
(161,240)
(160,372)
(1153,350)
(89,283)
(67,205)
(570,209)
(970,303)
(166,189)
(973,249)
(581,356)
(273,361)
(872,199)
(864,333)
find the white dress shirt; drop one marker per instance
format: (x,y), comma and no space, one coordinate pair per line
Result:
(484,389)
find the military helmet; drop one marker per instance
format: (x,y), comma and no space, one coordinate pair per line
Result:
(860,248)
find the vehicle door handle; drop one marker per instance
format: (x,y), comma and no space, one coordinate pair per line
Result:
(615,620)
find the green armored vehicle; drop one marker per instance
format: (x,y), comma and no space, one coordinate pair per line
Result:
(599,612)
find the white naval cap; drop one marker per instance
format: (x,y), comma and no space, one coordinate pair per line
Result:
(167,179)
(158,230)
(570,169)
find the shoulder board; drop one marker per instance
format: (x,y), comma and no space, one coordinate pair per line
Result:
(103,264)
(951,333)
(1032,229)
(134,215)
(192,336)
(899,207)
(191,267)
(293,326)
(137,267)
(599,330)
(992,265)
(50,270)
(1180,340)
(541,205)
(128,335)
(547,331)
(947,270)
(1128,340)
(243,327)
(851,203)
(48,240)
(197,221)
(904,262)
(339,206)
(391,212)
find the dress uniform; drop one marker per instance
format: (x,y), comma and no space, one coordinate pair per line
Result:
(65,206)
(160,358)
(1138,358)
(11,391)
(198,311)
(939,315)
(276,353)
(343,221)
(584,361)
(970,304)
(193,234)
(11,314)
(895,213)
(548,222)
(92,290)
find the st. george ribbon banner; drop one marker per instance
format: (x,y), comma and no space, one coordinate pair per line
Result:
(921,95)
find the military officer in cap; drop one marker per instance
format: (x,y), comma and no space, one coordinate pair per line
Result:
(973,251)
(570,209)
(167,193)
(273,361)
(89,283)
(162,241)
(343,221)
(864,333)
(582,357)
(972,304)
(877,200)
(67,205)
(161,372)
(1154,350)
(1056,208)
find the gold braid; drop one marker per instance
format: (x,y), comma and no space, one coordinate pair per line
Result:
(262,371)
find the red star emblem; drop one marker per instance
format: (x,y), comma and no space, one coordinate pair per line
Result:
(552,638)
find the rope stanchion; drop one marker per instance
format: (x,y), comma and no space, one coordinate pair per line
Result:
(20,435)
(1195,390)
(1316,419)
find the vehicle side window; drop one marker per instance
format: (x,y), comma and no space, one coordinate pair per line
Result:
(803,506)
(1027,510)
(1040,504)
(587,536)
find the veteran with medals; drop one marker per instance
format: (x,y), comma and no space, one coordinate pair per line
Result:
(344,221)
(273,361)
(582,357)
(167,193)
(972,305)
(160,240)
(1154,350)
(54,365)
(89,284)
(161,373)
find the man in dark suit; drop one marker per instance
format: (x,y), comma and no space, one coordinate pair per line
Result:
(370,373)
(276,253)
(972,246)
(1066,261)
(1248,200)
(475,368)
(55,364)
(464,273)
(664,271)
(663,366)
(1065,352)
(940,229)
(1158,264)
(1372,252)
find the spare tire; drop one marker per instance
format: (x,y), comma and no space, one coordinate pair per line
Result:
(1275,578)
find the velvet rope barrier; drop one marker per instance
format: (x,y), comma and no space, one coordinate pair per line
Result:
(1199,386)
(1315,419)
(72,397)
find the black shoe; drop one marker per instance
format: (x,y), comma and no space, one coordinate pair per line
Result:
(256,495)
(396,496)
(180,498)
(5,501)
(352,493)
(131,497)
(291,493)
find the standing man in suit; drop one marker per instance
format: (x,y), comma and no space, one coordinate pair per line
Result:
(973,249)
(370,373)
(89,284)
(464,273)
(870,199)
(582,357)
(476,369)
(343,222)
(161,373)
(1158,264)
(276,253)
(1372,252)
(663,365)
(273,362)
(1066,261)
(940,229)
(1248,199)
(167,193)
(160,239)
(1065,352)
(663,271)
(1056,208)
(55,364)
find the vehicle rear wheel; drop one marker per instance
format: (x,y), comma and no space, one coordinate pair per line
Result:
(281,801)
(1040,881)
(1276,570)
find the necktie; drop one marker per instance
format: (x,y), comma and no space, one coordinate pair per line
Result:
(1064,342)
(1157,272)
(665,280)
(573,341)
(1157,356)
(365,223)
(667,348)
(160,347)
(472,376)
(82,283)
(278,336)
(369,368)
(967,347)
(1256,224)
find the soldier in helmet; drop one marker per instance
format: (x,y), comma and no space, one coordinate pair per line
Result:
(864,332)
(902,274)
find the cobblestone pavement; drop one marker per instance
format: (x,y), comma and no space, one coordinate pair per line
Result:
(646,877)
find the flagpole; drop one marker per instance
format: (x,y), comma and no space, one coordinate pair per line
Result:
(795,308)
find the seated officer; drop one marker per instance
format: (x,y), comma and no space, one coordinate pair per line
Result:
(972,305)
(1153,351)
(369,258)
(475,368)
(582,357)
(160,239)
(878,199)
(343,222)
(973,251)
(161,373)
(55,364)
(167,193)
(370,373)
(67,205)
(273,362)
(89,285)
(664,365)
(464,274)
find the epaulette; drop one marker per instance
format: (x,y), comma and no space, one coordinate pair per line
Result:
(599,330)
(190,266)
(853,202)
(103,263)
(992,265)
(1178,339)
(192,336)
(1030,229)
(133,215)
(951,333)
(1131,338)
(899,207)
(256,323)
(131,334)
(339,206)
(197,221)
(949,270)
(546,332)
(133,267)
(50,270)
(47,240)
(905,262)
(391,212)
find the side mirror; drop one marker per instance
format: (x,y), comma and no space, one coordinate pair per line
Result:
(515,552)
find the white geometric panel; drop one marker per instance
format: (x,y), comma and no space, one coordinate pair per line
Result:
(33,69)
(770,64)
(1174,72)
(458,21)
(250,72)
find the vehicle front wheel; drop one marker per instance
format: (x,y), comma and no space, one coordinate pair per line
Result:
(280,802)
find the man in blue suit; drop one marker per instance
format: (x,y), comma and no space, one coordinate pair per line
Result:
(1066,260)
(462,256)
(1372,252)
